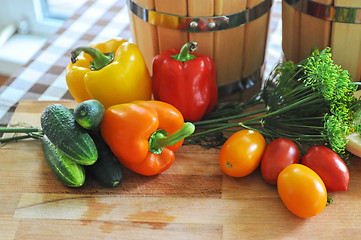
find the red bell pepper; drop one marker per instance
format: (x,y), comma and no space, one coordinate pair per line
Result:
(186,81)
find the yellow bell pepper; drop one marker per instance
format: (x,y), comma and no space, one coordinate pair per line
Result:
(112,72)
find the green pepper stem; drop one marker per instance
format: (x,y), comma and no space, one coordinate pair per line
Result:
(100,59)
(160,138)
(184,55)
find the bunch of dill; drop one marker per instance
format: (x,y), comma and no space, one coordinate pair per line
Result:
(309,103)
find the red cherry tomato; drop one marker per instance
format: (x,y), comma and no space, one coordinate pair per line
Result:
(241,154)
(329,166)
(279,154)
(302,190)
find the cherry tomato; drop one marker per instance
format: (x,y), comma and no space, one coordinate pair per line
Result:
(302,190)
(241,154)
(279,154)
(329,166)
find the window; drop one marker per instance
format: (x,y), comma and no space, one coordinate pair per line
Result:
(43,17)
(60,9)
(26,24)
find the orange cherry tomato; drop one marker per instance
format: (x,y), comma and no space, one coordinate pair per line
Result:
(302,190)
(241,154)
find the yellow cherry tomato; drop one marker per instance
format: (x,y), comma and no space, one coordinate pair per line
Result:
(241,154)
(302,190)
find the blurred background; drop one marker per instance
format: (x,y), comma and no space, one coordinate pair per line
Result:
(25,25)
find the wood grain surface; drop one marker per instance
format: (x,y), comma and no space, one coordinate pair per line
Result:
(255,39)
(291,22)
(145,35)
(193,199)
(346,42)
(228,45)
(205,40)
(302,32)
(171,38)
(314,32)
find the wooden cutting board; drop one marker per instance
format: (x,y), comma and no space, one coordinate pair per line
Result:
(191,200)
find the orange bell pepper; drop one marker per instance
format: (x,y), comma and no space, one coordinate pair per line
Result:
(144,135)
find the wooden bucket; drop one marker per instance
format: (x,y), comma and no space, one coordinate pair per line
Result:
(321,23)
(232,32)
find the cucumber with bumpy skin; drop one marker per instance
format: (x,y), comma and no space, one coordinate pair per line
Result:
(66,170)
(107,170)
(89,114)
(59,125)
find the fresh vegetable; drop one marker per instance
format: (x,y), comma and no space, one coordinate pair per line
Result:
(354,139)
(309,102)
(241,154)
(278,154)
(89,114)
(111,72)
(354,144)
(107,170)
(59,124)
(145,134)
(186,81)
(329,166)
(66,170)
(302,190)
(66,146)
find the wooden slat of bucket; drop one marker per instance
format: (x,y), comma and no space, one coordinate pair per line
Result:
(314,32)
(171,38)
(346,42)
(290,32)
(228,44)
(255,42)
(145,35)
(202,8)
(359,70)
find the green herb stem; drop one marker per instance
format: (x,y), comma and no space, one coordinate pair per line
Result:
(242,115)
(256,120)
(15,138)
(19,130)
(234,108)
(213,130)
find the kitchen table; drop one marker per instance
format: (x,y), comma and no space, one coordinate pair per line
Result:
(193,199)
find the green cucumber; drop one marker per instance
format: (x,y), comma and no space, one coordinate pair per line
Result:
(66,170)
(89,114)
(107,170)
(59,125)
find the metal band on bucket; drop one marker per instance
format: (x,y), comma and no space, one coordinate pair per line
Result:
(327,12)
(199,24)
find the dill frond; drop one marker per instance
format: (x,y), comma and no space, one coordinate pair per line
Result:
(309,102)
